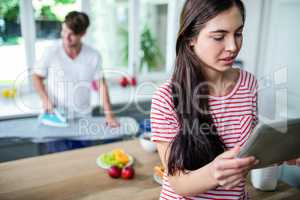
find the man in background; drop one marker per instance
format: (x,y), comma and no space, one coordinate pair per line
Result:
(70,67)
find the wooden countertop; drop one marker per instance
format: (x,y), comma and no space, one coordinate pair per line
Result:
(75,175)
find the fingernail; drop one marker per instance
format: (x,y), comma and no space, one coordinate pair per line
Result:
(256,162)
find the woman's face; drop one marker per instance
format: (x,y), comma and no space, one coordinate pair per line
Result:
(220,41)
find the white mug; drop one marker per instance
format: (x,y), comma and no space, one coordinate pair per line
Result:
(265,178)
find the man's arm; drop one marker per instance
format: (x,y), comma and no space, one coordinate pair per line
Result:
(110,119)
(41,90)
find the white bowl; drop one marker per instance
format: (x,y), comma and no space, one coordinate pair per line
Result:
(147,144)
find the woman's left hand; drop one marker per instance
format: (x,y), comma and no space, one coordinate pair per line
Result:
(293,162)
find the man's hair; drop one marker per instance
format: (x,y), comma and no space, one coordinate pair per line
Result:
(78,22)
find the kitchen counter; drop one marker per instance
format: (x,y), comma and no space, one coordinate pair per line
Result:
(282,192)
(75,175)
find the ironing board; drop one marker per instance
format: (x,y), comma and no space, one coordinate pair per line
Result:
(88,128)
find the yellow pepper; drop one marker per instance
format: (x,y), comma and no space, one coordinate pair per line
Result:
(120,156)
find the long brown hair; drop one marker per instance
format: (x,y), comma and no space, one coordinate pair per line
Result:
(197,142)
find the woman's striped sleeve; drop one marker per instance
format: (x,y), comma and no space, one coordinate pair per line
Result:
(164,124)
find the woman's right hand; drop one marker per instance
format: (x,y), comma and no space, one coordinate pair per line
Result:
(229,171)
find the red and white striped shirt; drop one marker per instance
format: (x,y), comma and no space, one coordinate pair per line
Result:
(234,115)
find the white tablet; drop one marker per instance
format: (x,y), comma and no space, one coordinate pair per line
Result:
(273,143)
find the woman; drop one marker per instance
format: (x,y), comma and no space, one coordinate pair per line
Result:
(207,111)
(207,107)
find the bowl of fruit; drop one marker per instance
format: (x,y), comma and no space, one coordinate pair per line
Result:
(158,173)
(115,157)
(118,163)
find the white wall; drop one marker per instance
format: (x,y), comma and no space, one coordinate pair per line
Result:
(251,34)
(278,60)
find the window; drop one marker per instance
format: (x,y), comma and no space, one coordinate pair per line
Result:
(153,32)
(11,42)
(109,31)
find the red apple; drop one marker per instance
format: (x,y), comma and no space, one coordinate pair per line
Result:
(123,81)
(128,172)
(114,172)
(133,81)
